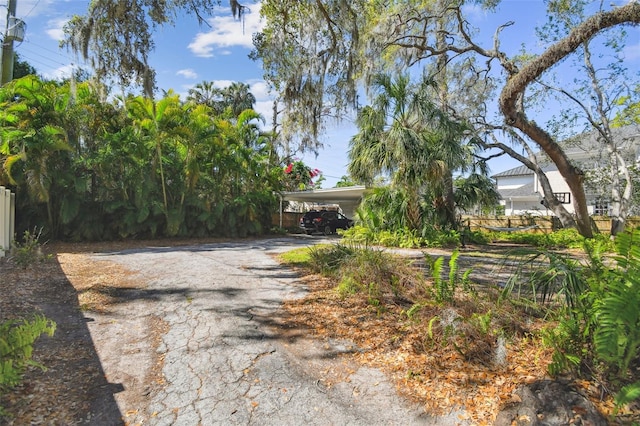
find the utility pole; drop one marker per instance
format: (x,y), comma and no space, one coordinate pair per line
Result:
(14,31)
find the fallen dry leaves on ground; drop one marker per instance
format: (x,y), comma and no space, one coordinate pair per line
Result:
(72,371)
(432,374)
(62,288)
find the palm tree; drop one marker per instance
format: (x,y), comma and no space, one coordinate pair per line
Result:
(238,97)
(248,128)
(206,93)
(157,125)
(35,140)
(404,136)
(476,191)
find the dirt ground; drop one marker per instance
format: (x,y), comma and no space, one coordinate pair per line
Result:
(63,287)
(70,284)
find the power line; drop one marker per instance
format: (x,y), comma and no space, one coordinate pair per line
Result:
(34,6)
(63,60)
(32,60)
(57,52)
(55,61)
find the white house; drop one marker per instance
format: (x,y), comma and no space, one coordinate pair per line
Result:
(521,191)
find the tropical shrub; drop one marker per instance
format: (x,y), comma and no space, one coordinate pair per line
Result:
(327,259)
(402,237)
(599,330)
(616,308)
(300,177)
(85,169)
(560,239)
(547,277)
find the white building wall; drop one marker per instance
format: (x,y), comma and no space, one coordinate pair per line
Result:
(589,156)
(557,182)
(559,185)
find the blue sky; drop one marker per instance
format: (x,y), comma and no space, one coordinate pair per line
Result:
(187,54)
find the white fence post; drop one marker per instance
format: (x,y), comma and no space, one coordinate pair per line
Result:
(7,219)
(12,217)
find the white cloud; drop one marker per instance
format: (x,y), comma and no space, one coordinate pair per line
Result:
(25,10)
(221,84)
(54,28)
(474,12)
(32,8)
(188,73)
(227,32)
(632,53)
(265,108)
(260,89)
(60,73)
(264,101)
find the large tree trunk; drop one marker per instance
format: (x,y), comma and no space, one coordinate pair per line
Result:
(571,174)
(512,93)
(443,95)
(552,203)
(449,201)
(620,193)
(413,214)
(531,162)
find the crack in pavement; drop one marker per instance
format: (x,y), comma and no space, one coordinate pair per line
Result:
(224,361)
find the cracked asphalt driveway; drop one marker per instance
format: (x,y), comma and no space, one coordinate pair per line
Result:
(200,342)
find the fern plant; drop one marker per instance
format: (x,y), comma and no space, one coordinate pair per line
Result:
(16,348)
(627,394)
(438,283)
(445,289)
(602,325)
(617,313)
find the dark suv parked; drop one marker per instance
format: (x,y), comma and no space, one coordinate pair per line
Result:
(325,221)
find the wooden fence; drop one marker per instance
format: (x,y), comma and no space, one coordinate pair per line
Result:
(536,224)
(539,224)
(7,219)
(290,220)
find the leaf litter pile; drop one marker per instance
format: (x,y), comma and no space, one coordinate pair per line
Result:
(470,353)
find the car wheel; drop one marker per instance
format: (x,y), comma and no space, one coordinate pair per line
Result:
(327,230)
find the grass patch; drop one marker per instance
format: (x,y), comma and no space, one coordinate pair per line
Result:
(299,257)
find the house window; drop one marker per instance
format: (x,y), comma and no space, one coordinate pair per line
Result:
(563,197)
(601,207)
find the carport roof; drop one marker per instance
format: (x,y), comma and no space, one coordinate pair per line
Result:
(332,195)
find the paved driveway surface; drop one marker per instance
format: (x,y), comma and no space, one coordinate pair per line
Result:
(199,344)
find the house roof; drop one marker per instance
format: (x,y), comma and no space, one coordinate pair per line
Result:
(524,191)
(588,144)
(516,171)
(524,171)
(583,146)
(332,195)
